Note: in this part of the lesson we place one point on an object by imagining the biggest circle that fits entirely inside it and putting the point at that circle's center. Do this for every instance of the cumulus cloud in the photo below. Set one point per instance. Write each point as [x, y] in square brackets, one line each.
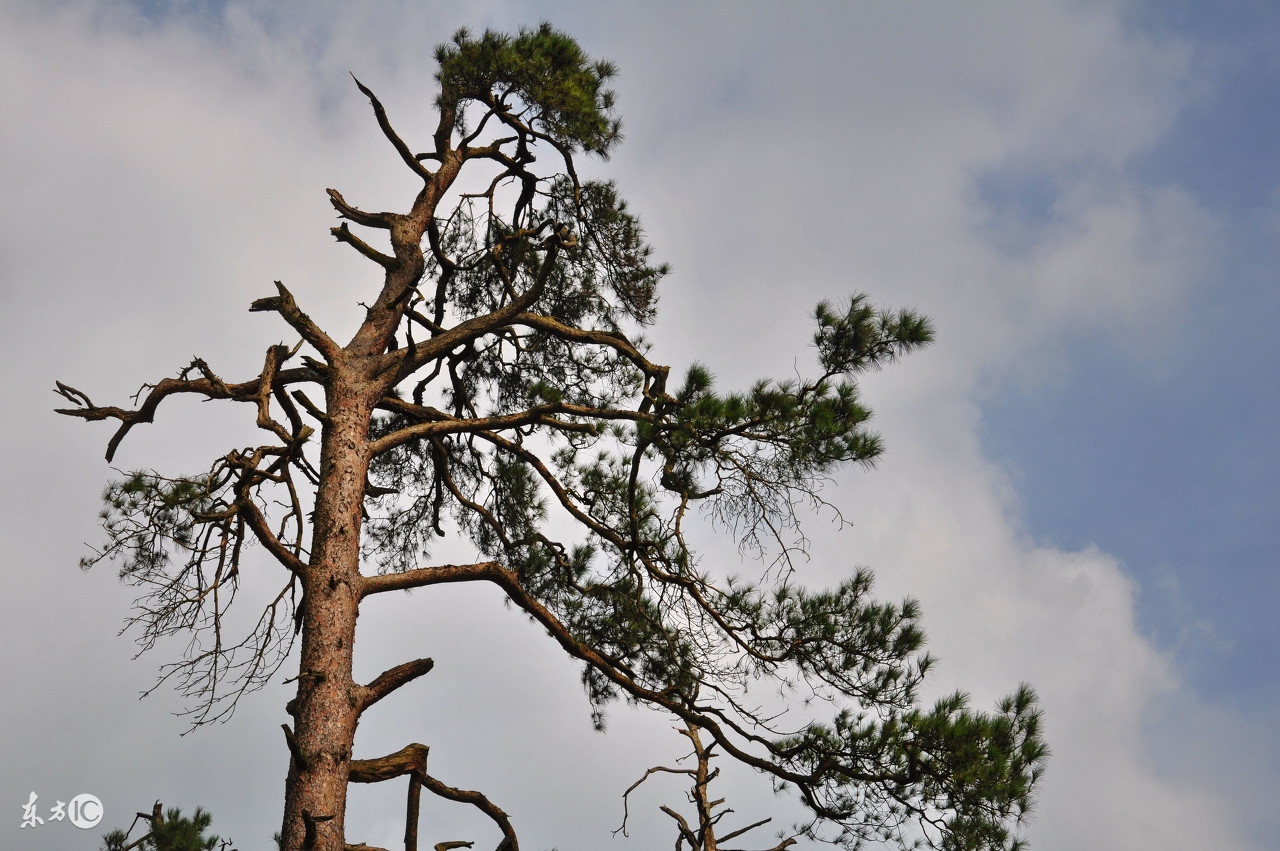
[171, 168]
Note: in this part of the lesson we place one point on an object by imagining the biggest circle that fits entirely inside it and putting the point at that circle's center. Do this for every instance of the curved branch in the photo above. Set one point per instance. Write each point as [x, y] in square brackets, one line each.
[626, 796]
[510, 584]
[266, 387]
[211, 387]
[480, 802]
[387, 130]
[257, 524]
[612, 339]
[360, 217]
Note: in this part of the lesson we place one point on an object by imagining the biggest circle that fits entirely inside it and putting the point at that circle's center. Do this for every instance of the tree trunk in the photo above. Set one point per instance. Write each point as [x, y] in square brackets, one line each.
[327, 708]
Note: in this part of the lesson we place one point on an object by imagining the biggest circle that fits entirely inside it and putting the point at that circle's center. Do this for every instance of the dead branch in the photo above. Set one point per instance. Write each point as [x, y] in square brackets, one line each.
[392, 679]
[509, 841]
[408, 759]
[209, 385]
[387, 130]
[360, 217]
[686, 833]
[411, 760]
[285, 304]
[309, 830]
[709, 812]
[626, 796]
[540, 415]
[276, 355]
[257, 524]
[411, 812]
[298, 756]
[310, 406]
[155, 817]
[343, 233]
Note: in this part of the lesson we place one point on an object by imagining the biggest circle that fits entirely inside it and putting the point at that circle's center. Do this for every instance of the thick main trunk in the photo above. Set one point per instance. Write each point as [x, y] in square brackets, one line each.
[326, 708]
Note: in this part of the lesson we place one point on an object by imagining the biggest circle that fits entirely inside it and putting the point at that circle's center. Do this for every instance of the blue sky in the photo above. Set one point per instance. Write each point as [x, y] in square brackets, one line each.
[1185, 443]
[1080, 482]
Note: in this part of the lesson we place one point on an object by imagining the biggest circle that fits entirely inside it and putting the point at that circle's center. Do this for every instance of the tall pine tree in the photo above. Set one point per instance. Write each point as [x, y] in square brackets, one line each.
[496, 392]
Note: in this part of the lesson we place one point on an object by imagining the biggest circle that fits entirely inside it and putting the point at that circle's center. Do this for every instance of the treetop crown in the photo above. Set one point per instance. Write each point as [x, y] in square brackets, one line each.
[540, 76]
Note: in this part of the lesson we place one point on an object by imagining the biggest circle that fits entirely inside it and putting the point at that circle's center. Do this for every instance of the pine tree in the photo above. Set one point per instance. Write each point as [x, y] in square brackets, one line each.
[497, 392]
[170, 831]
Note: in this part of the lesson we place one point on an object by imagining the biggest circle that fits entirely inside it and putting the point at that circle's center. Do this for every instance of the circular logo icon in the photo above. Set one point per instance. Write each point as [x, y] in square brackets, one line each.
[85, 811]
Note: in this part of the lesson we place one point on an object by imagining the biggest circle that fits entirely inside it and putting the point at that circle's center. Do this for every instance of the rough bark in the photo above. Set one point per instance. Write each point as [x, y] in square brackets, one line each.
[327, 705]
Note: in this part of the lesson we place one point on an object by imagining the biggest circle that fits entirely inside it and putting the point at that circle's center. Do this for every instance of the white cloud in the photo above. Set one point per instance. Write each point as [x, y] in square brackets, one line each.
[1000, 610]
[169, 173]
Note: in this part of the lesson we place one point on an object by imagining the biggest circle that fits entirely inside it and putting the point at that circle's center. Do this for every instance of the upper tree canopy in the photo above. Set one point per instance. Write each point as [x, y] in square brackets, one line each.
[543, 74]
[510, 403]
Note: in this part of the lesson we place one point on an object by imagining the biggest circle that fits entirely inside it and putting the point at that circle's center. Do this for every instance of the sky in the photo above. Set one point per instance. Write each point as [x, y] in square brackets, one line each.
[1080, 475]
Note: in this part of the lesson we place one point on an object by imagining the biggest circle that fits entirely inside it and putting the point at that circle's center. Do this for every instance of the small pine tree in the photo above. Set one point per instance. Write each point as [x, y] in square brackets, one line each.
[170, 831]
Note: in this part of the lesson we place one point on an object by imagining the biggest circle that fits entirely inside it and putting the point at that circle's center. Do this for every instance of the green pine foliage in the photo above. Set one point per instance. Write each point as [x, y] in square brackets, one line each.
[175, 832]
[540, 75]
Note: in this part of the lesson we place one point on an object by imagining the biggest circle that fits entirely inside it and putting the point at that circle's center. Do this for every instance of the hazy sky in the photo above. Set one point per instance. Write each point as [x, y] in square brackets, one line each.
[1080, 477]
